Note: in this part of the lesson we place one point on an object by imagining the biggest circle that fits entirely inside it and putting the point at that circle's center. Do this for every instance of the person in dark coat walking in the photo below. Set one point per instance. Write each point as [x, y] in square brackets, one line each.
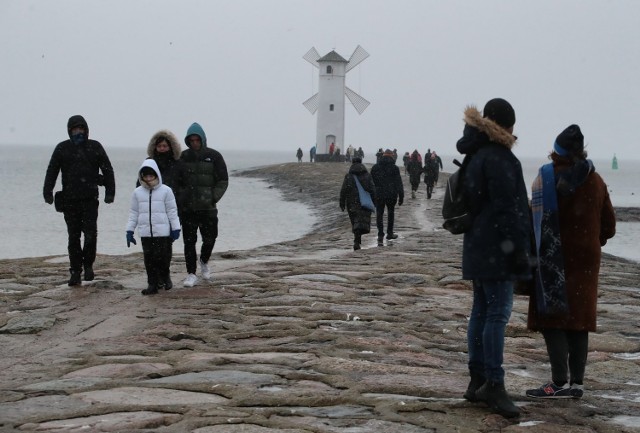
[414, 167]
[84, 165]
[389, 191]
[299, 154]
[579, 220]
[350, 200]
[206, 181]
[431, 173]
[496, 248]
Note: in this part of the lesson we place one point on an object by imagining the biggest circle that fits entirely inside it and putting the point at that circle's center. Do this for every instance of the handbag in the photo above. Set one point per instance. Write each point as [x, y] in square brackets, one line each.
[58, 201]
[365, 198]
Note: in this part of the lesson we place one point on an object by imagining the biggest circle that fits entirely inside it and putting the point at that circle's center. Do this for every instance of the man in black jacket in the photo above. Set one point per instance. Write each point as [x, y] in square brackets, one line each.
[80, 160]
[389, 191]
[206, 181]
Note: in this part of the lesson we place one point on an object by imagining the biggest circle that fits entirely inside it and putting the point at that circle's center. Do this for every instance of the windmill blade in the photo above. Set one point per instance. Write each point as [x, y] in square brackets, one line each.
[359, 103]
[359, 54]
[312, 57]
[312, 103]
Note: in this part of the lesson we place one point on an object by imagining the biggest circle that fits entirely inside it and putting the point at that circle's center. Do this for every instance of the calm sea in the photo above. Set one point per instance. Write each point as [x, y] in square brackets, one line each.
[251, 214]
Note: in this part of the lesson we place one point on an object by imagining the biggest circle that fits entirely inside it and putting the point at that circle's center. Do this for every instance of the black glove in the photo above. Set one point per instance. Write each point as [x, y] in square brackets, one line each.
[48, 198]
[108, 199]
[342, 208]
[400, 201]
[130, 239]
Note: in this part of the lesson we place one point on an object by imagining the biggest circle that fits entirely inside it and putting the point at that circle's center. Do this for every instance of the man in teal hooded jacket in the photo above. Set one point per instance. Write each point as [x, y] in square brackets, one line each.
[206, 181]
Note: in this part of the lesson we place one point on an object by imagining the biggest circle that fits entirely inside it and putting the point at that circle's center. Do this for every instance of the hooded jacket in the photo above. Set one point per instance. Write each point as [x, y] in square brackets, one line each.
[153, 209]
[387, 179]
[169, 163]
[350, 198]
[497, 245]
[80, 165]
[206, 176]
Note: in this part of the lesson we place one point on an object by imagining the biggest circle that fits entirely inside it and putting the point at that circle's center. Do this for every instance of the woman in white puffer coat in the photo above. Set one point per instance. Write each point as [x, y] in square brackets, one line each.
[155, 213]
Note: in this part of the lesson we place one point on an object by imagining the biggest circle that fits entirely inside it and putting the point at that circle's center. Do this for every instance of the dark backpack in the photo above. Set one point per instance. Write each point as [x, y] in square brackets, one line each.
[455, 207]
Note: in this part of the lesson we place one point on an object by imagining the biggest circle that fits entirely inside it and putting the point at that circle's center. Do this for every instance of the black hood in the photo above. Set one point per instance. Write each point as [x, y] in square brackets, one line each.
[75, 121]
[357, 168]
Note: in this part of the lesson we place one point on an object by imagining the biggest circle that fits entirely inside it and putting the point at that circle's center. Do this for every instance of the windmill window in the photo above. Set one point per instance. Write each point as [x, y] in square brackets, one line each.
[330, 107]
[329, 70]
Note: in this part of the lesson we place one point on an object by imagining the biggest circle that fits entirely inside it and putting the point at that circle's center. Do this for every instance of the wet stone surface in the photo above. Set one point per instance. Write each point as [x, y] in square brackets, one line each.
[305, 336]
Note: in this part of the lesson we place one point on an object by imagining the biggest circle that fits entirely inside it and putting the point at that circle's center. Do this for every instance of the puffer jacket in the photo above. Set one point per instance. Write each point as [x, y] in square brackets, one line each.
[497, 245]
[153, 209]
[206, 176]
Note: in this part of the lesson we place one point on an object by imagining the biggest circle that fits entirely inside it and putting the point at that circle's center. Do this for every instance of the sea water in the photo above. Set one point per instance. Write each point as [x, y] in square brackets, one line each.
[251, 213]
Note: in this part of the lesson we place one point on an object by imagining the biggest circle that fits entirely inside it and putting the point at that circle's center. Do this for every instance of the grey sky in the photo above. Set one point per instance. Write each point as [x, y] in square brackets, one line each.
[132, 67]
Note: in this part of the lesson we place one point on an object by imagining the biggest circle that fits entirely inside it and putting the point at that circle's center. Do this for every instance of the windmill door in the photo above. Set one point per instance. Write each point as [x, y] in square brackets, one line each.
[330, 139]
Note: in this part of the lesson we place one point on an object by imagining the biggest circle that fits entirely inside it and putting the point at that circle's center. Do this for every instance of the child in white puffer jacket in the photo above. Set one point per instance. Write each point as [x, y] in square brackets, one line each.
[155, 213]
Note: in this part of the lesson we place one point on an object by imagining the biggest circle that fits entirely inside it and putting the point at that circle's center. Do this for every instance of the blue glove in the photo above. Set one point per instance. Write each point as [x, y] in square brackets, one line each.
[130, 239]
[175, 234]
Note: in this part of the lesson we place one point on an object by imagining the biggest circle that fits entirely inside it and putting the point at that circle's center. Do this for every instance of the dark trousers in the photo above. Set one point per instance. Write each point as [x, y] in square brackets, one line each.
[82, 219]
[390, 205]
[157, 259]
[207, 222]
[567, 354]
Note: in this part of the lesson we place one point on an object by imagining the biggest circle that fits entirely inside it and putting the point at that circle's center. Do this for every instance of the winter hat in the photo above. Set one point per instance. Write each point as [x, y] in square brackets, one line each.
[501, 112]
[570, 141]
[388, 152]
[356, 160]
[147, 170]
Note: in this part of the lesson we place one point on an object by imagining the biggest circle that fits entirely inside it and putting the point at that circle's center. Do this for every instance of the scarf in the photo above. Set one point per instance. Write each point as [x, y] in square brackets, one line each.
[551, 292]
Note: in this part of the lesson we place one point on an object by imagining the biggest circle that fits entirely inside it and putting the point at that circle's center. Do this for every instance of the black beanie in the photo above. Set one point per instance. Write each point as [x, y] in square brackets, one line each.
[571, 139]
[501, 112]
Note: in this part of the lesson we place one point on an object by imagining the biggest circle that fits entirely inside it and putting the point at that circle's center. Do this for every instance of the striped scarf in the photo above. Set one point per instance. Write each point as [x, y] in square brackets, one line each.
[551, 293]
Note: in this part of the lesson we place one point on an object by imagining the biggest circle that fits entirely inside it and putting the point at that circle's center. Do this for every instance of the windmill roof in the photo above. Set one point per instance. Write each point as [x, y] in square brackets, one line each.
[332, 57]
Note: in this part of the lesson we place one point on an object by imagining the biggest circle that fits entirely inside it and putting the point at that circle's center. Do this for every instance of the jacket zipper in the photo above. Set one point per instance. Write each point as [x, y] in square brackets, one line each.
[150, 224]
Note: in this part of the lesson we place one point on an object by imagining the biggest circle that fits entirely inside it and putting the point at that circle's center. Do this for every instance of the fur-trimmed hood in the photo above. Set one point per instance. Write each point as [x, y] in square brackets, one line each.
[170, 137]
[495, 132]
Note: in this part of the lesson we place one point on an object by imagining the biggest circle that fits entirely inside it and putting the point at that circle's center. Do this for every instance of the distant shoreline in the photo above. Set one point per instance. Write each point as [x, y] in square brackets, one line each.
[627, 214]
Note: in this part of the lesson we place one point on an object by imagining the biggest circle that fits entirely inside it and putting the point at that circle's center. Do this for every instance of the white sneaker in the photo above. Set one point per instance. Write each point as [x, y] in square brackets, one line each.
[204, 270]
[190, 281]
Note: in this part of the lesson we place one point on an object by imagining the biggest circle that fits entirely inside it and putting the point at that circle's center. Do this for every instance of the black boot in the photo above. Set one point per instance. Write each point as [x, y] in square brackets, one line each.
[151, 290]
[496, 397]
[89, 275]
[477, 380]
[75, 279]
[168, 284]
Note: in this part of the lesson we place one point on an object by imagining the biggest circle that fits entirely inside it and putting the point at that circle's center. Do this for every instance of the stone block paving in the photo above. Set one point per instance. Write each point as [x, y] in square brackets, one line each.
[306, 336]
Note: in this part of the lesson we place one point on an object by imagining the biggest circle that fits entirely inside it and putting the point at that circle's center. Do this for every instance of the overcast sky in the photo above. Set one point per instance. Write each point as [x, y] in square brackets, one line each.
[132, 67]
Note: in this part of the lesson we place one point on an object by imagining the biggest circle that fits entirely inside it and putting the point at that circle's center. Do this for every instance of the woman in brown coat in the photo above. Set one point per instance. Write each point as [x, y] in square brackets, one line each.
[563, 305]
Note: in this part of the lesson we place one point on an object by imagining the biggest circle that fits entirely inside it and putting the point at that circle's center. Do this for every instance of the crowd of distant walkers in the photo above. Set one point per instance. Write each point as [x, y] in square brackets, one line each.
[547, 248]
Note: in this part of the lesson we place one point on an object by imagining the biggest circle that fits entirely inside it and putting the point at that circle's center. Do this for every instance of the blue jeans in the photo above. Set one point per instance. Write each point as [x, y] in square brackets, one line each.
[492, 303]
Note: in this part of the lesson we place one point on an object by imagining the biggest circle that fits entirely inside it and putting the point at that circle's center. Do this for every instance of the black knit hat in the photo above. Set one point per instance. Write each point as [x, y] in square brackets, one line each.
[501, 112]
[570, 140]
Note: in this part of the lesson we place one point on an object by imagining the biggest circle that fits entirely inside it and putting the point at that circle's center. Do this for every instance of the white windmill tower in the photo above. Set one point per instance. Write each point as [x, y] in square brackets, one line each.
[329, 101]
